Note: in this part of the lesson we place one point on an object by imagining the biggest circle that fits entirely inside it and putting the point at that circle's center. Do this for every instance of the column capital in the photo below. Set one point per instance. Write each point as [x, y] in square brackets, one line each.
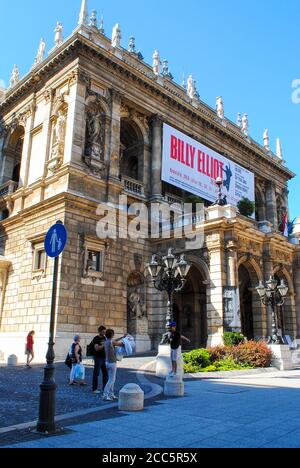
[157, 120]
[116, 96]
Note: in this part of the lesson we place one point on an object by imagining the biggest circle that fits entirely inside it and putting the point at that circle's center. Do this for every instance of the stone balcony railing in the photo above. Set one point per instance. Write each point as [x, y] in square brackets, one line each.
[133, 186]
[172, 199]
[8, 188]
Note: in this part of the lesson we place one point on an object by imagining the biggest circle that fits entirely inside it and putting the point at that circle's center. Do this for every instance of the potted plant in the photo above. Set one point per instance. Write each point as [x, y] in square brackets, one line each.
[246, 207]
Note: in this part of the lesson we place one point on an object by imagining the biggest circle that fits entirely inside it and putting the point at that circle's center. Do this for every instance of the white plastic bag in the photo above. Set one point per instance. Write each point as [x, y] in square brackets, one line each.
[79, 372]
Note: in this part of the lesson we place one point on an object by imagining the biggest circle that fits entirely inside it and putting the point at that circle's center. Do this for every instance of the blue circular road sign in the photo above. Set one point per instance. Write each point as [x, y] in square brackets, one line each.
[56, 240]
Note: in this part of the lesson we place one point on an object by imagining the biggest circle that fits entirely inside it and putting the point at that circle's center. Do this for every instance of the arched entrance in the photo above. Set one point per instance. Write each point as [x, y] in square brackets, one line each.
[246, 303]
[190, 310]
[253, 314]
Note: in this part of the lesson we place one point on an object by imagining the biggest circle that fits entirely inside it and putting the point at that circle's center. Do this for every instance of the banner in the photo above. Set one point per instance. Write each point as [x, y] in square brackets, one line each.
[191, 166]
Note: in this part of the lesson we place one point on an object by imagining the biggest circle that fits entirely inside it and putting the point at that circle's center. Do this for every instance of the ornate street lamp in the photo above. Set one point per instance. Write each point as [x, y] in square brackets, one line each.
[222, 201]
[273, 295]
[169, 273]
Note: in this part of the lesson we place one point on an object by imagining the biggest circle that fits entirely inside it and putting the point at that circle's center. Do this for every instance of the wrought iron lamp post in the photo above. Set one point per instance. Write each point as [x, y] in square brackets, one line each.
[273, 295]
[169, 274]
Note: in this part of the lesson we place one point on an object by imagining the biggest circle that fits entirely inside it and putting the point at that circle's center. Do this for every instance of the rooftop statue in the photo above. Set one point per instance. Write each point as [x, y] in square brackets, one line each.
[165, 70]
[245, 124]
[239, 120]
[116, 36]
[220, 108]
[58, 39]
[93, 19]
[191, 88]
[156, 62]
[41, 52]
[15, 77]
[266, 139]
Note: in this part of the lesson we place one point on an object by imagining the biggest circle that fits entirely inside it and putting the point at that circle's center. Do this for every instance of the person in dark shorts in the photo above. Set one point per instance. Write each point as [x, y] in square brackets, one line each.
[175, 340]
[99, 360]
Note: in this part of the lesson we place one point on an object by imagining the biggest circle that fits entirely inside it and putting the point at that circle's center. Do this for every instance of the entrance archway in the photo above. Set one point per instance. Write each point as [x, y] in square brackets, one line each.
[190, 311]
[253, 314]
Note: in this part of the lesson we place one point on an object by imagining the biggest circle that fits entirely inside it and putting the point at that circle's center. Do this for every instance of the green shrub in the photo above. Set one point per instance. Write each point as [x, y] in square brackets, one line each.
[217, 353]
[198, 357]
[247, 355]
[233, 339]
[209, 369]
[254, 354]
[190, 368]
[230, 364]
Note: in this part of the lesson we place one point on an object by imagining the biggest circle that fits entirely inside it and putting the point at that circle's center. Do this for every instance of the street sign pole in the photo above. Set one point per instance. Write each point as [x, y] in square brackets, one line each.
[46, 422]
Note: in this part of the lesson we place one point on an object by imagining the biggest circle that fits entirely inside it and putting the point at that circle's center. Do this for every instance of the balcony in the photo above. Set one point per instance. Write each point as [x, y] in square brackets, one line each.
[133, 187]
[8, 188]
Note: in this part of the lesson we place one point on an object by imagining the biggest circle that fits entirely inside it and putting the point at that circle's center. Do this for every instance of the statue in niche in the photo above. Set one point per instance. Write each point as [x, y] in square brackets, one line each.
[136, 306]
[59, 128]
[58, 141]
[94, 137]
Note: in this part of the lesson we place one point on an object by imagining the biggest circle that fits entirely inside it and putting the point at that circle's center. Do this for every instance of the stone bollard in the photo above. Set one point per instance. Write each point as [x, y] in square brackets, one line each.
[12, 360]
[174, 386]
[163, 362]
[131, 398]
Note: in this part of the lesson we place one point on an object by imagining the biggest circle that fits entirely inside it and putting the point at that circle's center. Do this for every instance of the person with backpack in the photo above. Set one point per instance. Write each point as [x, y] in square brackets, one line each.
[76, 356]
[97, 351]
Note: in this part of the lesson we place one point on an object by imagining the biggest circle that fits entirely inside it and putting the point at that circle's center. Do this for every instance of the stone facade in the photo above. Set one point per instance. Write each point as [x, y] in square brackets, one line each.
[84, 128]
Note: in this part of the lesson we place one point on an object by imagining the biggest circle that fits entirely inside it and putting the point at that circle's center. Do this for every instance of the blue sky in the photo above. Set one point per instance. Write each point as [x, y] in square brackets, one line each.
[247, 52]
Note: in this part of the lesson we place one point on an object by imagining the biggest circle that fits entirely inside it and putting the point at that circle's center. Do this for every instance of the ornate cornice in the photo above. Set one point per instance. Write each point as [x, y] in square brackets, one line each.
[139, 72]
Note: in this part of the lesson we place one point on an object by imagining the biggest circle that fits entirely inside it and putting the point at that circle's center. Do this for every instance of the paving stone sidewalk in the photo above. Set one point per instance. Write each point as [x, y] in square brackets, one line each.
[249, 411]
[20, 390]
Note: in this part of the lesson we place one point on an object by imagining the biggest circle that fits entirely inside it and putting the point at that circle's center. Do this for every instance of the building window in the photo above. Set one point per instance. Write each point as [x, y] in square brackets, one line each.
[94, 261]
[94, 257]
[39, 264]
[40, 260]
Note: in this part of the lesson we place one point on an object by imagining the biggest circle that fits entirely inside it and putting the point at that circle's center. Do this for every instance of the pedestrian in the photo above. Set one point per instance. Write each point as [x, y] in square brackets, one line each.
[99, 360]
[76, 356]
[175, 340]
[111, 365]
[29, 348]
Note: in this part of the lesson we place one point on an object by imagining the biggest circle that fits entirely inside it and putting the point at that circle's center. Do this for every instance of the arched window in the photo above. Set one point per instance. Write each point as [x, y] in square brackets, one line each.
[13, 156]
[132, 149]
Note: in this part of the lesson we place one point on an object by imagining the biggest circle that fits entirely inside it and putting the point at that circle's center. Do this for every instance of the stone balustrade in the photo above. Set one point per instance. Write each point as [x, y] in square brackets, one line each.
[8, 188]
[133, 186]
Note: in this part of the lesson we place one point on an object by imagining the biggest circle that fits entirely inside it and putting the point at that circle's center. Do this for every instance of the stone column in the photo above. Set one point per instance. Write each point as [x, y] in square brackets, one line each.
[75, 127]
[156, 182]
[215, 291]
[26, 153]
[115, 136]
[147, 169]
[48, 95]
[296, 275]
[271, 208]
